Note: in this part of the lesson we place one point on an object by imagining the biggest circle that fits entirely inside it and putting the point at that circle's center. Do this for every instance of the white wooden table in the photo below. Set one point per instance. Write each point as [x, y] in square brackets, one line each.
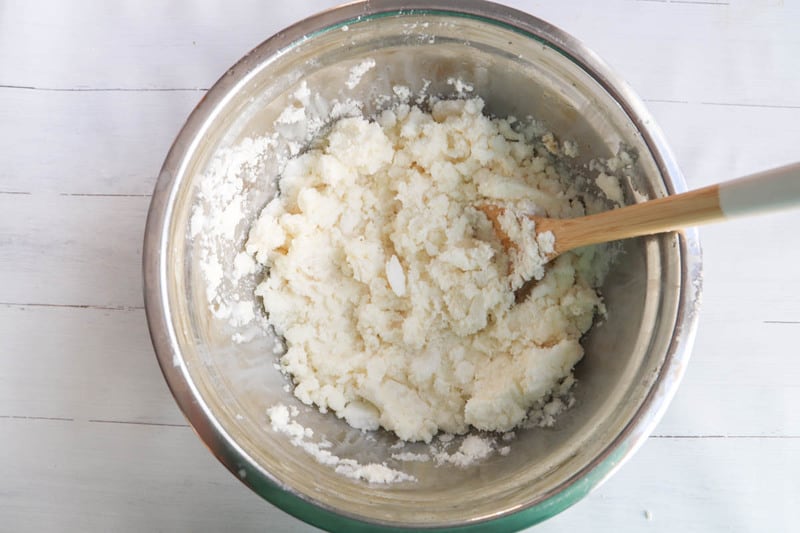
[91, 95]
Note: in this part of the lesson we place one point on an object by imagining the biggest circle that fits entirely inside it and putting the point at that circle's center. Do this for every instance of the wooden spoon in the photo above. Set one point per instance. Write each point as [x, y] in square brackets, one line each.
[770, 190]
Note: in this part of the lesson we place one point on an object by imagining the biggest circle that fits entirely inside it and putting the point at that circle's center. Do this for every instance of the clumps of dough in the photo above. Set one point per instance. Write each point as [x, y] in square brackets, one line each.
[392, 292]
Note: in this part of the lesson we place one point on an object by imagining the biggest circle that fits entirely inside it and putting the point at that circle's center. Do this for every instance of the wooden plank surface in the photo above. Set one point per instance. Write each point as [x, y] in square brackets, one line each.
[91, 95]
[90, 143]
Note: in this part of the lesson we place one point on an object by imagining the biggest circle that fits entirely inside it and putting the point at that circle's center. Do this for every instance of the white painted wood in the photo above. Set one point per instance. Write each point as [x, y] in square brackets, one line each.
[108, 142]
[694, 486]
[93, 44]
[97, 363]
[90, 476]
[91, 94]
[715, 143]
[71, 250]
[721, 51]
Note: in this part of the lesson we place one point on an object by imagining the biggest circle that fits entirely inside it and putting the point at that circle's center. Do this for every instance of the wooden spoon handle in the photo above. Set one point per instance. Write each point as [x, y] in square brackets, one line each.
[769, 190]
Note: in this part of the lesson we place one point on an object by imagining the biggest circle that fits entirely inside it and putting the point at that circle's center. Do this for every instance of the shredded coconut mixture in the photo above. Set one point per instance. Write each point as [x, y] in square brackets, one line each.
[393, 294]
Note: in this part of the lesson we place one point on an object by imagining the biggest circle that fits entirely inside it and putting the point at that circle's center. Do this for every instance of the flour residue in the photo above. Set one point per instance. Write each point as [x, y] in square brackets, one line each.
[282, 420]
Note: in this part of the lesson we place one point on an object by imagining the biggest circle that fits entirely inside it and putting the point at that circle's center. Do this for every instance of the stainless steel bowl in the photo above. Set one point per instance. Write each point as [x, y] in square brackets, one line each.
[520, 65]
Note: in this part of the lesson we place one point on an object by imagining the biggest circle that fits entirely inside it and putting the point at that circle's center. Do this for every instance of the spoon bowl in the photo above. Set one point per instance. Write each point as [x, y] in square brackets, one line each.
[771, 190]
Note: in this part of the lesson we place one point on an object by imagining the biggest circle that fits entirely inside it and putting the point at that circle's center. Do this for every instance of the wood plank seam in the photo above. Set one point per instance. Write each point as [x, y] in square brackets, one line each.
[91, 421]
[104, 89]
[75, 306]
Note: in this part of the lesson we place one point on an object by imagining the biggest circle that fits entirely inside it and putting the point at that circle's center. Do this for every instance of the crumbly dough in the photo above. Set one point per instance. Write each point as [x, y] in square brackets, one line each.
[393, 294]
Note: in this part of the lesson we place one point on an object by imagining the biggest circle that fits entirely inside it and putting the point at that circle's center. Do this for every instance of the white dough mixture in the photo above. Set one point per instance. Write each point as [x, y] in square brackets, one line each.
[393, 294]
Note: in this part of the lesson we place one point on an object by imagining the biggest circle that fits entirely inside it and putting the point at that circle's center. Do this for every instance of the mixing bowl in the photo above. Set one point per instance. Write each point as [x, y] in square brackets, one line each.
[521, 66]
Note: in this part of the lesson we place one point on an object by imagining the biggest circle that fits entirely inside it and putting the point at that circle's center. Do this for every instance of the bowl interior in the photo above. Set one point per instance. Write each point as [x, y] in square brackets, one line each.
[232, 385]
